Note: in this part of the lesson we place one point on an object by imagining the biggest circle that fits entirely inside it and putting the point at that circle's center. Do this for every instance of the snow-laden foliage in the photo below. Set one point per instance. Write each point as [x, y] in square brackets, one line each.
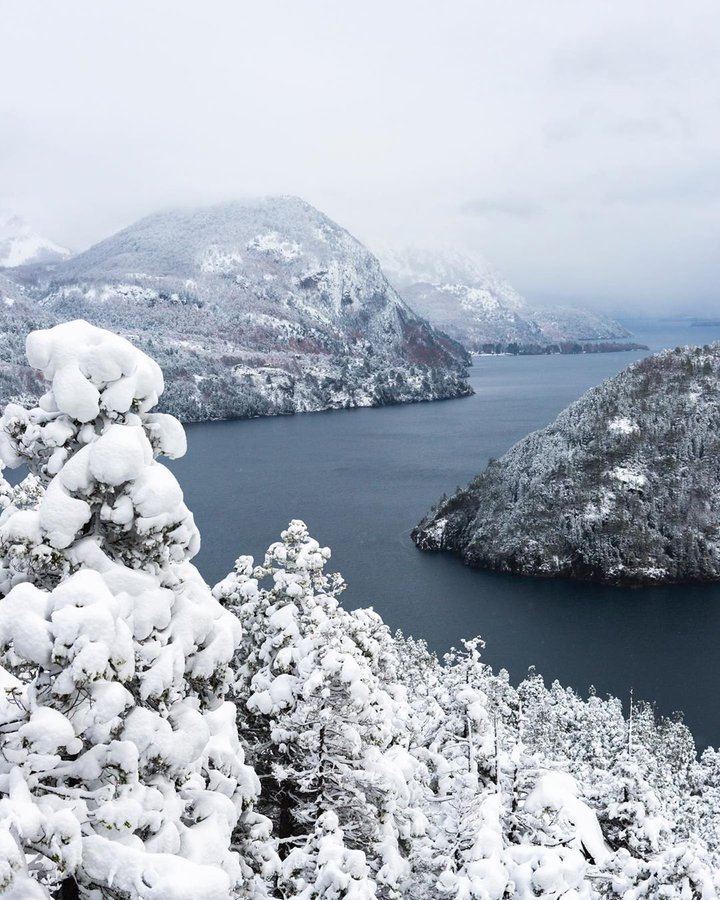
[91, 443]
[316, 691]
[620, 488]
[475, 788]
[121, 766]
[535, 792]
[252, 308]
[159, 741]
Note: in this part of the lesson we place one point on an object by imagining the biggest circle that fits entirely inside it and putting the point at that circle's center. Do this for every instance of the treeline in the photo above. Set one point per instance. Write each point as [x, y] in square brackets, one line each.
[562, 347]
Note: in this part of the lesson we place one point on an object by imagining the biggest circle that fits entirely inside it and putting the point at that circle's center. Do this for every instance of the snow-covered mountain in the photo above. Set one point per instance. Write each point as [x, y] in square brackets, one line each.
[256, 308]
[20, 244]
[473, 304]
[621, 488]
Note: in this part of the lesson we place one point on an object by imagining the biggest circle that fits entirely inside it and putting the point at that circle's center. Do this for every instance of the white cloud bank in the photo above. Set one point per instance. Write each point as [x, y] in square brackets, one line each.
[575, 144]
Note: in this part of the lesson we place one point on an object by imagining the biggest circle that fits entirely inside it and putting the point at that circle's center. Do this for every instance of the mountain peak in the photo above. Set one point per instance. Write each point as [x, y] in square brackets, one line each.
[21, 244]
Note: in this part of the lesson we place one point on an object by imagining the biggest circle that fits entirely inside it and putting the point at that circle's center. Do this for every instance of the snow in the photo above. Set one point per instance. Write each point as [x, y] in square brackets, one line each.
[23, 623]
[48, 731]
[539, 872]
[166, 435]
[630, 476]
[15, 883]
[272, 243]
[12, 697]
[597, 510]
[434, 535]
[61, 517]
[90, 368]
[558, 791]
[151, 876]
[216, 259]
[474, 298]
[622, 425]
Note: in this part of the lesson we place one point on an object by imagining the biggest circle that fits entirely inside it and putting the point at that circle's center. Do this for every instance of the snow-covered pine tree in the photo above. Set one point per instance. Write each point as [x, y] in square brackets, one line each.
[683, 871]
[121, 775]
[463, 758]
[325, 869]
[634, 816]
[702, 805]
[324, 725]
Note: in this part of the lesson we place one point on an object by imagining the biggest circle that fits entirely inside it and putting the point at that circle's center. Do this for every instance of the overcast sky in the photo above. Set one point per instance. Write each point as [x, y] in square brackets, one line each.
[576, 145]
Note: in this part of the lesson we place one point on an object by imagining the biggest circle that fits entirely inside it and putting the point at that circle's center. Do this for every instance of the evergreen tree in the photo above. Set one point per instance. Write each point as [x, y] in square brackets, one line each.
[121, 773]
[322, 727]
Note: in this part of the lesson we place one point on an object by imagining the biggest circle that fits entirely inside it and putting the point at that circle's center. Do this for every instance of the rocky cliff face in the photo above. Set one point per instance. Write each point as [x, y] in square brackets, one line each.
[622, 488]
[474, 305]
[255, 308]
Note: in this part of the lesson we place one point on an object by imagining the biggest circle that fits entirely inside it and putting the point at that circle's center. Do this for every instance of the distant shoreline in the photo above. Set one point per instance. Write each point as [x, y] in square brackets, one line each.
[561, 348]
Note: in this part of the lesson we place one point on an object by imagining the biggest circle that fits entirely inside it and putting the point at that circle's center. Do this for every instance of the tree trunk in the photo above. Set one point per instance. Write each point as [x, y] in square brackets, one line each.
[69, 890]
[285, 820]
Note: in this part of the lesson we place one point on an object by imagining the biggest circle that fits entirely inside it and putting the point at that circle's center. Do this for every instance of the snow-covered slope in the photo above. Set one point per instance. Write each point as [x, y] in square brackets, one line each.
[621, 488]
[256, 308]
[474, 305]
[20, 244]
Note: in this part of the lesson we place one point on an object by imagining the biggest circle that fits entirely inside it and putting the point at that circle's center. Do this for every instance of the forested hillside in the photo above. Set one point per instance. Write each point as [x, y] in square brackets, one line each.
[621, 488]
[254, 308]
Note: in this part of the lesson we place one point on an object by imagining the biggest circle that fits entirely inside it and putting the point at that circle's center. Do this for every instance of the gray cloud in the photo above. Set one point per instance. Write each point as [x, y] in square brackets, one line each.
[572, 144]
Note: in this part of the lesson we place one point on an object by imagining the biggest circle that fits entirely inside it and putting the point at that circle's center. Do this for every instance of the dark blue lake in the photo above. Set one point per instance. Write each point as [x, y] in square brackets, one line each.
[362, 479]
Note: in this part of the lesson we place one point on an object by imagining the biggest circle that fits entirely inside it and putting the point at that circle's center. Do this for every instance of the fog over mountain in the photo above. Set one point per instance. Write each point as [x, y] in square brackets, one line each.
[576, 145]
[469, 301]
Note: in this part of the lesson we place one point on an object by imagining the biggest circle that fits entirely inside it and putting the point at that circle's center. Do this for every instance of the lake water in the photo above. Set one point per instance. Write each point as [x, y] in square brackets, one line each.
[361, 479]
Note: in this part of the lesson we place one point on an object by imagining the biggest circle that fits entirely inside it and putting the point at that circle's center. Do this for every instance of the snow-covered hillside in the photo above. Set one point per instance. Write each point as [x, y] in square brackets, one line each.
[20, 244]
[256, 308]
[621, 488]
[472, 303]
